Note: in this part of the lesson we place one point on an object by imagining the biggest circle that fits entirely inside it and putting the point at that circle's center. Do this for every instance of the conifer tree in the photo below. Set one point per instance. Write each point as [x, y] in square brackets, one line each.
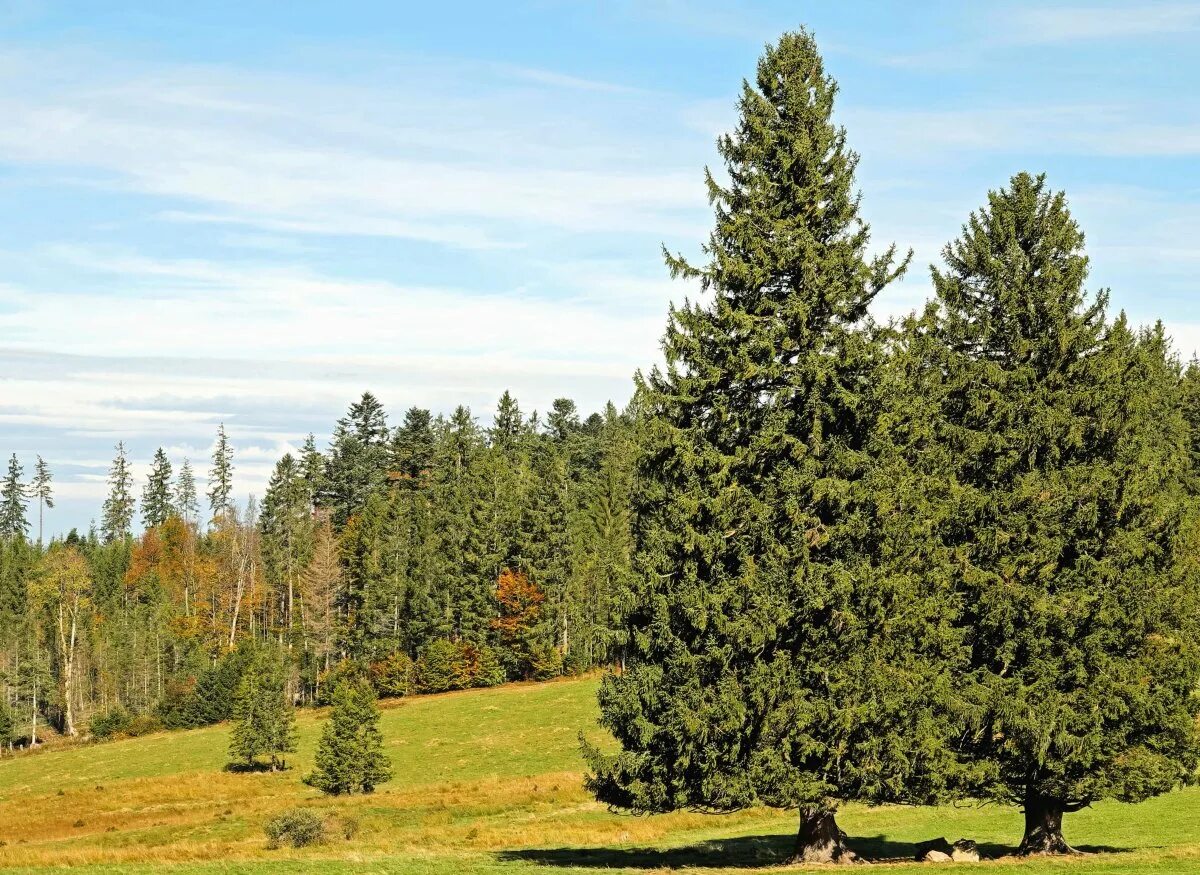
[13, 521]
[1073, 533]
[117, 515]
[350, 757]
[287, 527]
[187, 504]
[1189, 390]
[157, 505]
[358, 459]
[312, 468]
[7, 725]
[220, 476]
[770, 659]
[41, 490]
[264, 721]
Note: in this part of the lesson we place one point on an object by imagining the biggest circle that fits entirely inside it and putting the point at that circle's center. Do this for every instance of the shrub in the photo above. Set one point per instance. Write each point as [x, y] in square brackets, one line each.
[110, 725]
[394, 675]
[444, 665]
[297, 827]
[143, 724]
[327, 681]
[545, 662]
[349, 827]
[489, 671]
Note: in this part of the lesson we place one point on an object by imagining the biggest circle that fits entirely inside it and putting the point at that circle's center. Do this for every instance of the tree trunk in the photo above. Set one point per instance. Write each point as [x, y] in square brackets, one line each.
[819, 839]
[1043, 828]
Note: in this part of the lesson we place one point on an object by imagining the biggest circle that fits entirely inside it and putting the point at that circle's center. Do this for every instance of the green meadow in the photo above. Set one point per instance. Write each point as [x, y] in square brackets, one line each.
[486, 781]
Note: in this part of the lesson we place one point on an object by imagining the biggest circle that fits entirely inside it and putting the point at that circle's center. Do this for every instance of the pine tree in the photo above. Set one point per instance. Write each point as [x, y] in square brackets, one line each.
[187, 504]
[13, 520]
[157, 505]
[771, 660]
[312, 468]
[1189, 390]
[117, 515]
[507, 425]
[350, 757]
[264, 720]
[220, 476]
[41, 490]
[1074, 527]
[286, 525]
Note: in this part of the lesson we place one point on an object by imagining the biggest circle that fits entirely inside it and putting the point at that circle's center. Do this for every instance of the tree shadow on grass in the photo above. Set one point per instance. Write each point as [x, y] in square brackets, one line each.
[734, 853]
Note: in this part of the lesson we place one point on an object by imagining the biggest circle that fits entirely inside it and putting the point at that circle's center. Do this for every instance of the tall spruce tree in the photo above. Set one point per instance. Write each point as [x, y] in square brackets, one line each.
[358, 459]
[770, 659]
[220, 476]
[1074, 532]
[187, 504]
[41, 489]
[117, 513]
[14, 522]
[412, 448]
[350, 757]
[157, 504]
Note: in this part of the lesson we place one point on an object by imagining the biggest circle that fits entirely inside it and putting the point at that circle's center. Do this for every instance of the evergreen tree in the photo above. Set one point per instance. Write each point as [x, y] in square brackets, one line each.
[157, 505]
[1189, 390]
[1073, 531]
[507, 425]
[7, 725]
[312, 468]
[117, 515]
[770, 659]
[264, 720]
[350, 757]
[13, 520]
[187, 504]
[287, 530]
[220, 476]
[358, 460]
[41, 490]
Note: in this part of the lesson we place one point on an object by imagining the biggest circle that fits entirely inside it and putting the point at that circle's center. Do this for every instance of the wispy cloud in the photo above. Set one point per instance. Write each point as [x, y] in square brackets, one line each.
[1060, 24]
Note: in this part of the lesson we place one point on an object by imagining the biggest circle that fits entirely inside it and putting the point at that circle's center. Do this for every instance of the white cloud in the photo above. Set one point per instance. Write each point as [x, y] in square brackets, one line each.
[1051, 24]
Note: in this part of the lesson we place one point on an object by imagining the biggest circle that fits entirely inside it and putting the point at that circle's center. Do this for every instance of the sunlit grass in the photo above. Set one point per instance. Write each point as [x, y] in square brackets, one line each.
[487, 781]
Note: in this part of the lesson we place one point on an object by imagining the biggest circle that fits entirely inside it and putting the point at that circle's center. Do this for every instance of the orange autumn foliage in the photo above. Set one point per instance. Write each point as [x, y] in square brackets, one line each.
[520, 601]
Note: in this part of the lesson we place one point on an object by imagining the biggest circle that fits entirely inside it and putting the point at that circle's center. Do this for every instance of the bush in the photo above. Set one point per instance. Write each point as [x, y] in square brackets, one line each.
[489, 671]
[143, 724]
[298, 827]
[545, 662]
[394, 675]
[349, 827]
[110, 725]
[444, 665]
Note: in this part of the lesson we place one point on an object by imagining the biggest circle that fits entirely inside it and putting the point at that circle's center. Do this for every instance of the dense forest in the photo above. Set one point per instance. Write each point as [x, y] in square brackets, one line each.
[442, 553]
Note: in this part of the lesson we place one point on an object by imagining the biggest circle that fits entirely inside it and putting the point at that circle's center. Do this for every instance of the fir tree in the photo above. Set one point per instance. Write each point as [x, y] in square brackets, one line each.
[157, 505]
[312, 469]
[507, 424]
[220, 476]
[13, 520]
[41, 490]
[1073, 527]
[187, 504]
[264, 721]
[350, 757]
[771, 660]
[117, 515]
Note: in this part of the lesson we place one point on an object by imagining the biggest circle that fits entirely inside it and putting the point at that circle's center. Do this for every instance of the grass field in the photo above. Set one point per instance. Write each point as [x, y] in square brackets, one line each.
[486, 781]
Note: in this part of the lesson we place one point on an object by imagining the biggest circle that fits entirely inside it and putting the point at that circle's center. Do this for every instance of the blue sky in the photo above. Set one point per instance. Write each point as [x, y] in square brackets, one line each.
[250, 212]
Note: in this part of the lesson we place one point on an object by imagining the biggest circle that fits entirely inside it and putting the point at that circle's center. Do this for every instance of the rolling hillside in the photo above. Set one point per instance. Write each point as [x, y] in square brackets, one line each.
[486, 781]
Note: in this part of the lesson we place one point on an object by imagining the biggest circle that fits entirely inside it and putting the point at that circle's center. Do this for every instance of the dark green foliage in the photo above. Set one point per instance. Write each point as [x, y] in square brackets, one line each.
[187, 505]
[1074, 534]
[297, 827]
[350, 757]
[13, 520]
[358, 460]
[770, 651]
[7, 725]
[211, 699]
[110, 724]
[412, 449]
[264, 720]
[157, 501]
